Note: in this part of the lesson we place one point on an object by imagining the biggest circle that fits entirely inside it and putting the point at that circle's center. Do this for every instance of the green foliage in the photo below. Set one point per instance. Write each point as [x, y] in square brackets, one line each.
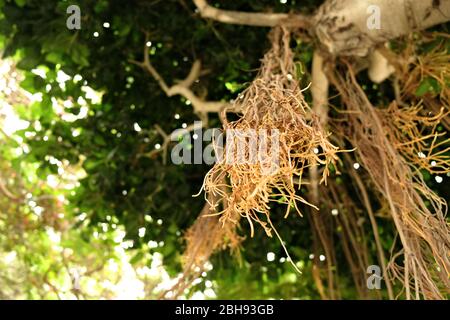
[96, 135]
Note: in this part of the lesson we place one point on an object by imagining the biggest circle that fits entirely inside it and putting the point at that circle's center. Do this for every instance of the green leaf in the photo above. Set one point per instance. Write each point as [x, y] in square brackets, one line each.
[28, 63]
[90, 164]
[99, 140]
[137, 257]
[428, 85]
[80, 54]
[53, 57]
[20, 3]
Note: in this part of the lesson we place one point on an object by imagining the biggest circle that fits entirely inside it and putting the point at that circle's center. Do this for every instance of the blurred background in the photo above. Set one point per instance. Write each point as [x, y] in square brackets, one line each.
[90, 208]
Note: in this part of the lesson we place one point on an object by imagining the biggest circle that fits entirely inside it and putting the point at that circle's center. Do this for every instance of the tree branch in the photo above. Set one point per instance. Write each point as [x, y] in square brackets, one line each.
[354, 27]
[379, 67]
[163, 148]
[343, 27]
[182, 88]
[319, 89]
[250, 18]
[319, 92]
[9, 194]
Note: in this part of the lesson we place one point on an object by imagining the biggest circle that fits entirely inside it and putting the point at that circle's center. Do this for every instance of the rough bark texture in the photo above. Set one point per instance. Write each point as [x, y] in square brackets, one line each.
[255, 19]
[341, 25]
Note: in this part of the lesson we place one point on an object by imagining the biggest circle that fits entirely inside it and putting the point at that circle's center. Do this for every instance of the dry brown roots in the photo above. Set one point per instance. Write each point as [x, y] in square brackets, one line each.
[272, 104]
[393, 149]
[413, 68]
[203, 238]
[392, 144]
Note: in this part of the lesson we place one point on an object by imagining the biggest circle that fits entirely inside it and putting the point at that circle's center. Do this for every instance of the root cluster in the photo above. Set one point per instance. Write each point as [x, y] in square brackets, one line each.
[393, 150]
[274, 106]
[394, 146]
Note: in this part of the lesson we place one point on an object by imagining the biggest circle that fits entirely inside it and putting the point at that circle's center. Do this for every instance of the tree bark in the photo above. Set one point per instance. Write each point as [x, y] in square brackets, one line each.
[341, 26]
[344, 27]
[256, 19]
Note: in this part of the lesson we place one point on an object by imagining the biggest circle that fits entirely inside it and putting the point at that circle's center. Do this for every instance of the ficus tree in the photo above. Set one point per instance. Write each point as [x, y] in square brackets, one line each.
[358, 90]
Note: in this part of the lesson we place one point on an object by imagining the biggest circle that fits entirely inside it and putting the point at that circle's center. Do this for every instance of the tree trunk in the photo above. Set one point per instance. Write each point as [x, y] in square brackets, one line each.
[353, 27]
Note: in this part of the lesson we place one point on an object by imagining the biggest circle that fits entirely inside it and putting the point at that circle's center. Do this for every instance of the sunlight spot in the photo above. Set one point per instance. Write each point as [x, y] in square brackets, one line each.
[152, 244]
[77, 78]
[40, 72]
[38, 210]
[208, 266]
[52, 181]
[10, 257]
[137, 128]
[62, 77]
[119, 236]
[68, 104]
[91, 94]
[82, 216]
[53, 235]
[76, 132]
[81, 101]
[209, 293]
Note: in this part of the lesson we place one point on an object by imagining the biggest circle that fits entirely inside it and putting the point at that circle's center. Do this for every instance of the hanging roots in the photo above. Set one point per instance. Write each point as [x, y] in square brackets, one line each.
[433, 65]
[205, 237]
[393, 144]
[416, 70]
[275, 110]
[393, 149]
[275, 114]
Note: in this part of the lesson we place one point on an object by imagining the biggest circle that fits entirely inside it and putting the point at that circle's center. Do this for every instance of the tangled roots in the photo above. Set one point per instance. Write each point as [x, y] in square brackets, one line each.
[276, 114]
[207, 236]
[275, 124]
[278, 138]
[393, 150]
